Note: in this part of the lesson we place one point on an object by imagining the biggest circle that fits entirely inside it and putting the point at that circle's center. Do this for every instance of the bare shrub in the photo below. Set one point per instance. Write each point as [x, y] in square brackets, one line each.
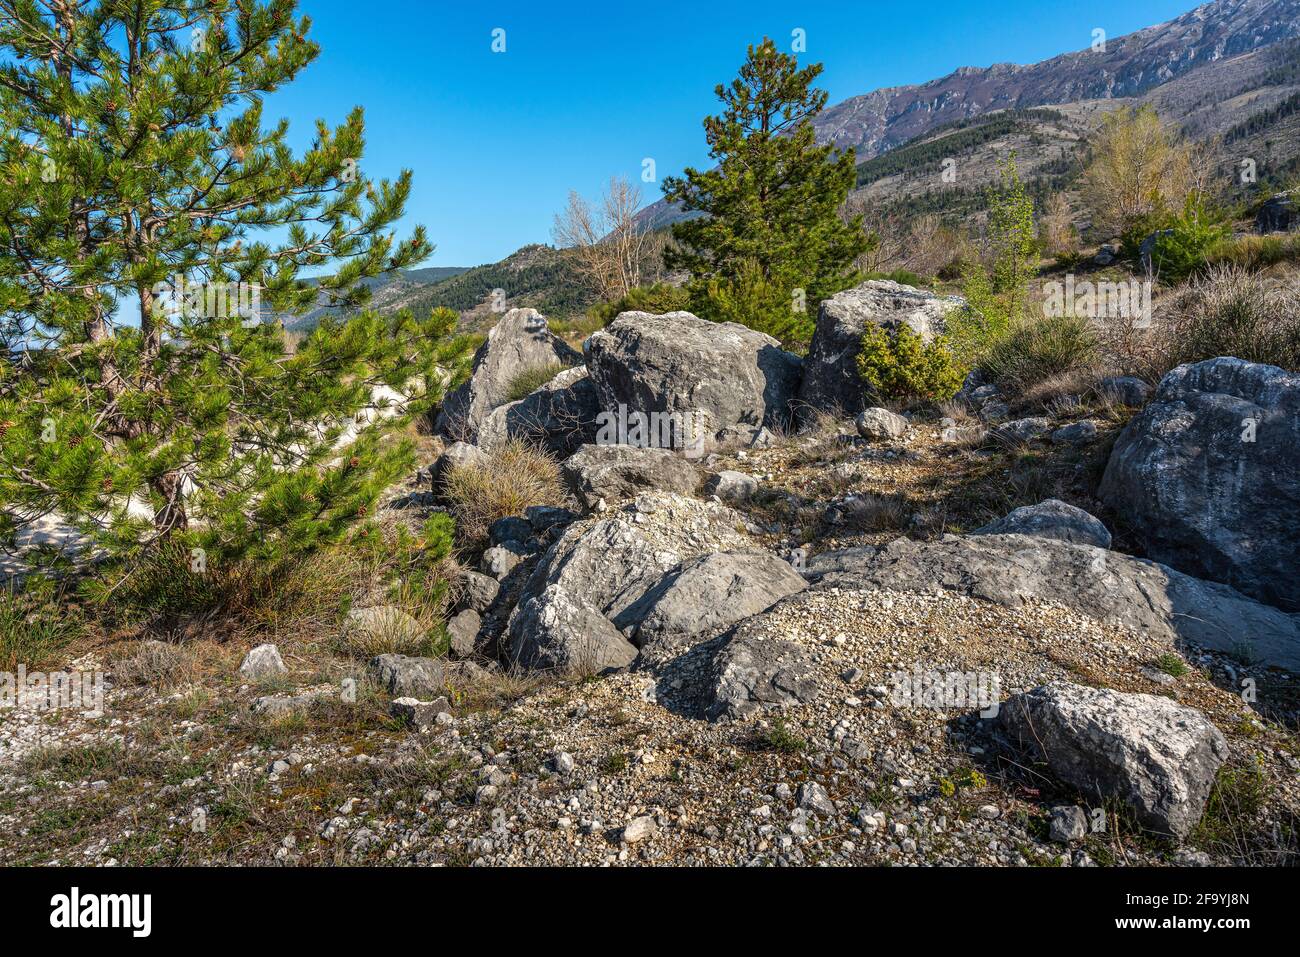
[1056, 225]
[1231, 312]
[1228, 311]
[154, 664]
[609, 243]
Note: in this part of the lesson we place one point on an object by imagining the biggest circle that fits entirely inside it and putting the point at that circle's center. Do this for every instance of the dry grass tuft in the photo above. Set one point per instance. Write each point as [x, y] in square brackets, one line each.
[869, 512]
[516, 476]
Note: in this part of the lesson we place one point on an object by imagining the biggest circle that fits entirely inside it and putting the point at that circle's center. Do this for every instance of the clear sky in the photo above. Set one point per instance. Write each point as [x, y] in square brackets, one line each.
[584, 91]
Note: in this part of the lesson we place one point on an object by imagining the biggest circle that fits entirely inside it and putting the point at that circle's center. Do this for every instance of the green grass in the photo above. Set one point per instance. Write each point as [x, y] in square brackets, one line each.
[1230, 824]
[1172, 665]
[615, 763]
[33, 629]
[528, 381]
[779, 738]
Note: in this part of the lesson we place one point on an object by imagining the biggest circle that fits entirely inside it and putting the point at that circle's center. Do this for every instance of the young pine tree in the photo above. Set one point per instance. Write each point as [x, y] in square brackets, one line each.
[998, 294]
[772, 230]
[137, 179]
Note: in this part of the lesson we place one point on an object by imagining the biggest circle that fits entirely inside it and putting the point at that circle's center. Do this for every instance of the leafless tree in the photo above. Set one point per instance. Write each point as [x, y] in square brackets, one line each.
[610, 245]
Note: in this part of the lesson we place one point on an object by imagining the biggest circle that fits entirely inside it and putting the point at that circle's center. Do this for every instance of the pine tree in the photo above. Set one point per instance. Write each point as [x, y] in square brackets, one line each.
[136, 176]
[773, 226]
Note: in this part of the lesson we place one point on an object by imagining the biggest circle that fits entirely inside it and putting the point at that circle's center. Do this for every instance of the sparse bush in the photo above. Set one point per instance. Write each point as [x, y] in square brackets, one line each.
[868, 512]
[1059, 236]
[1254, 252]
[154, 664]
[899, 365]
[1039, 349]
[528, 381]
[656, 299]
[1172, 665]
[1227, 312]
[516, 476]
[778, 738]
[1231, 824]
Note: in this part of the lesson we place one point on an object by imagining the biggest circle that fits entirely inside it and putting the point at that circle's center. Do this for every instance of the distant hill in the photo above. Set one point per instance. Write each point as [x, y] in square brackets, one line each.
[388, 293]
[537, 275]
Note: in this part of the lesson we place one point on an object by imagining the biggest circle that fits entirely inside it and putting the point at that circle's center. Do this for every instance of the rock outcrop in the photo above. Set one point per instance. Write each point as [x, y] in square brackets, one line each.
[711, 593]
[1106, 586]
[413, 677]
[560, 416]
[1277, 215]
[573, 610]
[521, 340]
[720, 383]
[831, 382]
[1209, 476]
[753, 673]
[614, 472]
[1155, 755]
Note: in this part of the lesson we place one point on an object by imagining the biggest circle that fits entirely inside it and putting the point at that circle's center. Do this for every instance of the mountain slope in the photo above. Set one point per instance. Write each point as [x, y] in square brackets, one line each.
[1131, 65]
[1206, 70]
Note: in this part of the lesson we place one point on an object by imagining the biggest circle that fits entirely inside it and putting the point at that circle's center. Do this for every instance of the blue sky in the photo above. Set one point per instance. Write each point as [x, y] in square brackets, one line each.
[584, 91]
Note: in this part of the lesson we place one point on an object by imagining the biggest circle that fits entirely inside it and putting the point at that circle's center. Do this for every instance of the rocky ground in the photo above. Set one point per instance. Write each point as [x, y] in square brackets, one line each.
[627, 768]
[870, 639]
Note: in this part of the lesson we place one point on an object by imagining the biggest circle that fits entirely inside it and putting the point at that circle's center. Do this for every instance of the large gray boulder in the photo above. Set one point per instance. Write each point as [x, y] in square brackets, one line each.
[1277, 215]
[1155, 755]
[521, 340]
[720, 381]
[831, 382]
[1106, 586]
[614, 472]
[713, 592]
[572, 610]
[560, 416]
[1051, 518]
[1208, 475]
[561, 630]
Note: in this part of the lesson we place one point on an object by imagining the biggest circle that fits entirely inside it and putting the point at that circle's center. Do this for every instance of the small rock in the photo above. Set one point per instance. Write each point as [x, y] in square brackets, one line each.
[813, 797]
[263, 662]
[639, 828]
[1068, 824]
[877, 423]
[463, 630]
